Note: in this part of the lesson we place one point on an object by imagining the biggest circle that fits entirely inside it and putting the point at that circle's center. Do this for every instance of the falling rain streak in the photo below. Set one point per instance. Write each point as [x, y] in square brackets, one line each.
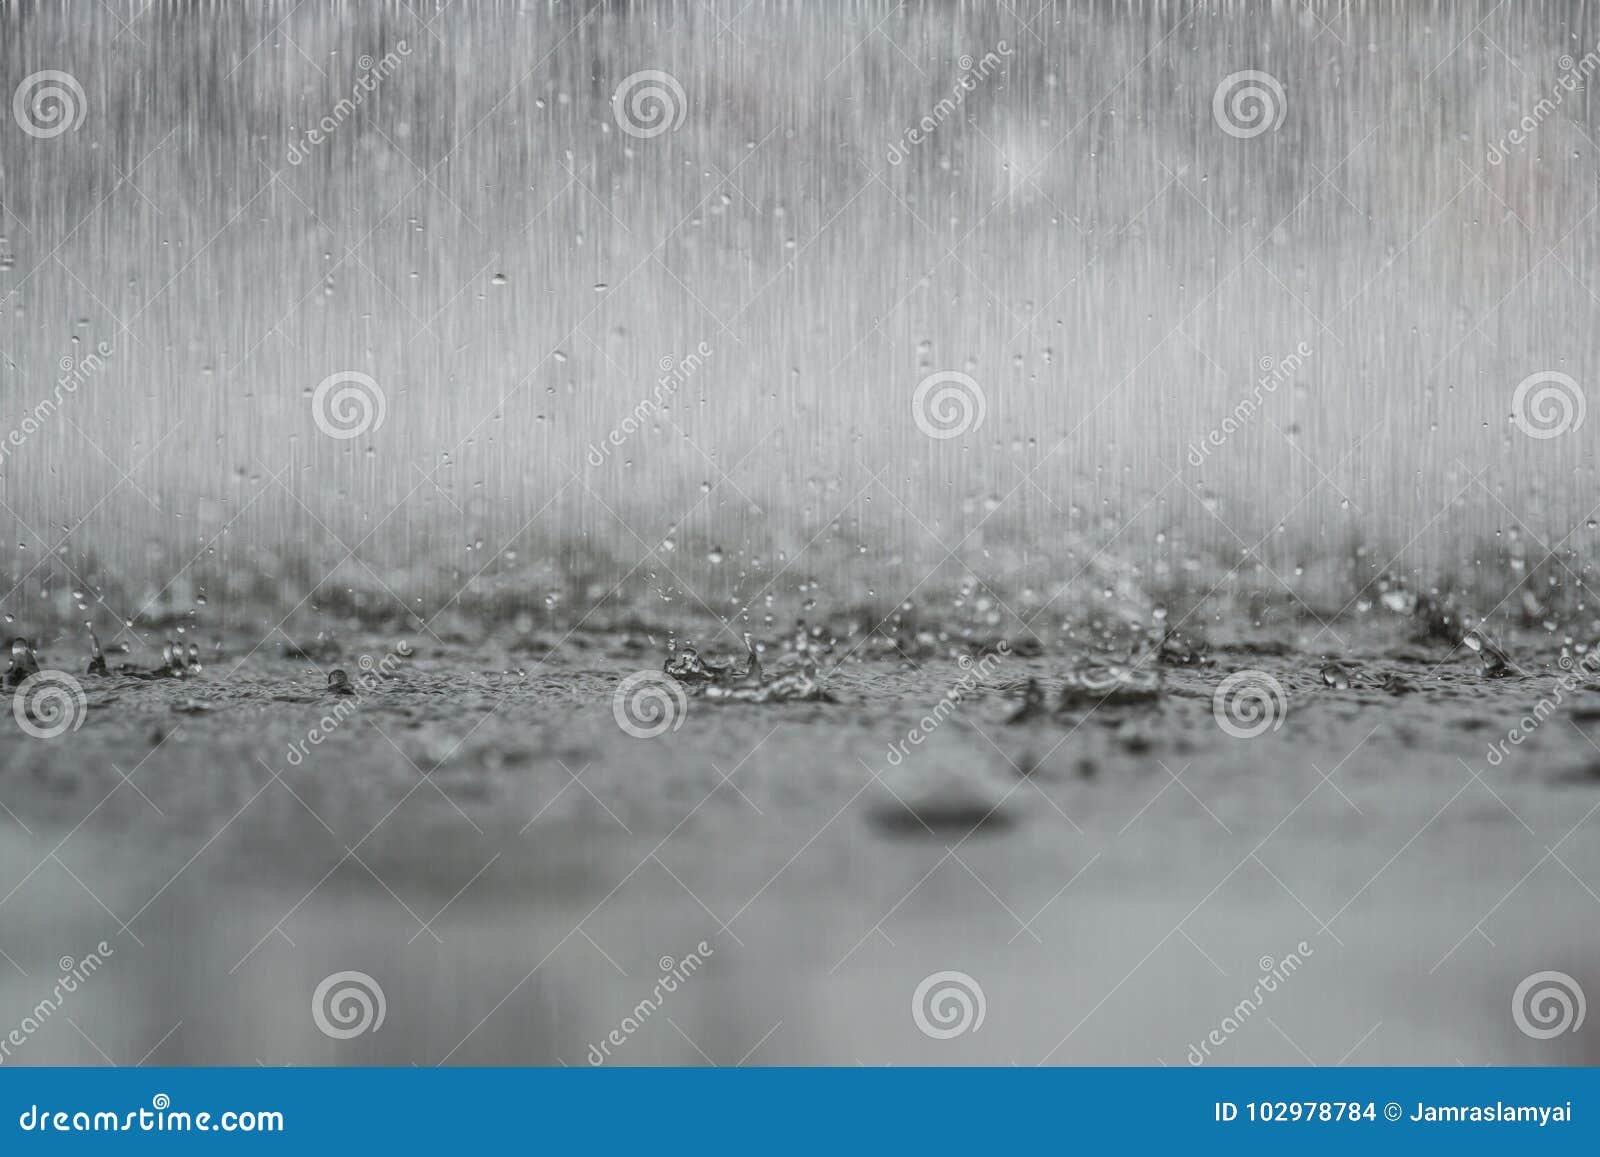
[354, 308]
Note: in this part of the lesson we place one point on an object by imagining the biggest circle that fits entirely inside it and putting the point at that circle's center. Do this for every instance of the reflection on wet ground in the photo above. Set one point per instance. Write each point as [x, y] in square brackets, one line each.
[1110, 845]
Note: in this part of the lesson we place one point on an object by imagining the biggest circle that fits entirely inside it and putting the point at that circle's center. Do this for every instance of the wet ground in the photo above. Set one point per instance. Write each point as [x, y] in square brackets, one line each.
[477, 833]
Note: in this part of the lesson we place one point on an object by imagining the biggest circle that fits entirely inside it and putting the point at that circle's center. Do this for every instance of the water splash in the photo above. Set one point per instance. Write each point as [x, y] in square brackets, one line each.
[24, 662]
[1090, 683]
[1496, 663]
[727, 684]
[97, 658]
